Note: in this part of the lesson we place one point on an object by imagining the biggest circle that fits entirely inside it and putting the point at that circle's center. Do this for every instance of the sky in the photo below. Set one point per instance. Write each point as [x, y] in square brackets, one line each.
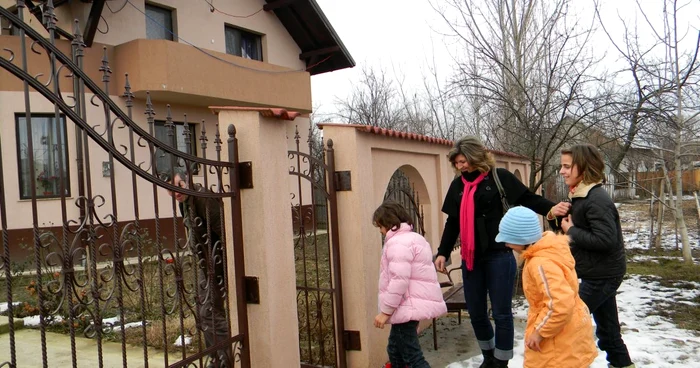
[402, 36]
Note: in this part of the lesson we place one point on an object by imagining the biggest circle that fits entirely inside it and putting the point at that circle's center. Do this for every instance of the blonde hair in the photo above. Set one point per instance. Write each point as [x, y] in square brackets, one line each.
[474, 151]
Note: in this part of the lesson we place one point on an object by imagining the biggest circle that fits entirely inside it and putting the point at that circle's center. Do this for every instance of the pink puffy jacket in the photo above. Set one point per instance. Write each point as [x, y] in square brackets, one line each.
[408, 284]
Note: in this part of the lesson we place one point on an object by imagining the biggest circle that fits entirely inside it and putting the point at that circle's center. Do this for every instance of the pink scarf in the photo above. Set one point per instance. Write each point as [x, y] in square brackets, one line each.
[466, 220]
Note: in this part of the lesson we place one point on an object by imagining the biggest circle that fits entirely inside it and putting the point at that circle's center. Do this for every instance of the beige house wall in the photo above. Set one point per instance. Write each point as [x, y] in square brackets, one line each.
[372, 159]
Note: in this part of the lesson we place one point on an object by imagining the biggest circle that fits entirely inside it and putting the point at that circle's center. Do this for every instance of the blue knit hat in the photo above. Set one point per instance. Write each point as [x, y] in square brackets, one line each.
[519, 226]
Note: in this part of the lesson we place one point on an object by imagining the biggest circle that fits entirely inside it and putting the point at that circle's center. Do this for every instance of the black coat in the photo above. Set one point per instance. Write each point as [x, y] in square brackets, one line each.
[596, 237]
[488, 209]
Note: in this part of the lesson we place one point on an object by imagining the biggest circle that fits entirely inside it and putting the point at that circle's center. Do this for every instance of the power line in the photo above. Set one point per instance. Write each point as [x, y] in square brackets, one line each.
[223, 60]
[213, 9]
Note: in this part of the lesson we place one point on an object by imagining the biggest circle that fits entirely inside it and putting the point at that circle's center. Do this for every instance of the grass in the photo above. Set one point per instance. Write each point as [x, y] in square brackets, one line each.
[674, 274]
[666, 265]
[314, 304]
[25, 290]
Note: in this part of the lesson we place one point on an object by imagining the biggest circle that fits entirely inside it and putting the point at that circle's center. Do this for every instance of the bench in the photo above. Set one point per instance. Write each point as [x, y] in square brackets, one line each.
[454, 299]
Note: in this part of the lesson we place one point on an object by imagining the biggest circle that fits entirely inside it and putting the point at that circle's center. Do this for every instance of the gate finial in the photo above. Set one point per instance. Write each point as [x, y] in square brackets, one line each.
[150, 113]
[217, 142]
[127, 92]
[187, 135]
[105, 69]
[77, 42]
[49, 16]
[203, 138]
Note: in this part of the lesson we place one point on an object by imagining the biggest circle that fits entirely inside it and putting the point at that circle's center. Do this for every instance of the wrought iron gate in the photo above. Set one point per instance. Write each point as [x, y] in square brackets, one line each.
[113, 259]
[400, 189]
[316, 254]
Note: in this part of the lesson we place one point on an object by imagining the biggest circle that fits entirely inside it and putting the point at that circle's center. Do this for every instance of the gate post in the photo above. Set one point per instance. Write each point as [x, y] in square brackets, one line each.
[360, 250]
[267, 237]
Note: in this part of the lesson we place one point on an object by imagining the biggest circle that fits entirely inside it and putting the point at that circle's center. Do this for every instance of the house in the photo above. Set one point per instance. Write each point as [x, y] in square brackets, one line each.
[189, 55]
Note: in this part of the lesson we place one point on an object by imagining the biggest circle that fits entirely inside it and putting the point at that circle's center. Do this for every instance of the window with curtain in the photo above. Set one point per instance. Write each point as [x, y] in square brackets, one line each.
[163, 159]
[49, 153]
[244, 44]
[159, 23]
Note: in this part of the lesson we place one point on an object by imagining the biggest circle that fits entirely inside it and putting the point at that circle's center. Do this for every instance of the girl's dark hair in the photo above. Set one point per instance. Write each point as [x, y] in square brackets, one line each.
[390, 215]
[589, 162]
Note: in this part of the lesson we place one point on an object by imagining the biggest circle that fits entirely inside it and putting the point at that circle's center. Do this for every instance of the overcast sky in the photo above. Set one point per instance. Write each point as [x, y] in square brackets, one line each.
[402, 36]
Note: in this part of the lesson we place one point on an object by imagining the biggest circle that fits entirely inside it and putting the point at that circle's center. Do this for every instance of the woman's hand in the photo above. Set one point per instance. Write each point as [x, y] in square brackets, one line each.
[440, 263]
[566, 224]
[533, 341]
[560, 209]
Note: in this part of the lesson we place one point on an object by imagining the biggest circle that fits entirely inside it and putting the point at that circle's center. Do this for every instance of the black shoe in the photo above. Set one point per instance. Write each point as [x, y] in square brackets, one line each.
[489, 360]
[497, 363]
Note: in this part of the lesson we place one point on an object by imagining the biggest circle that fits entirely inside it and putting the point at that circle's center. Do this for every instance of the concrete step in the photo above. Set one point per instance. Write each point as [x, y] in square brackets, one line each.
[5, 324]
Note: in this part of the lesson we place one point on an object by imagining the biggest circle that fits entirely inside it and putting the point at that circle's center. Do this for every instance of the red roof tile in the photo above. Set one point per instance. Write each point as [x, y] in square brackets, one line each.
[392, 133]
[411, 136]
[268, 112]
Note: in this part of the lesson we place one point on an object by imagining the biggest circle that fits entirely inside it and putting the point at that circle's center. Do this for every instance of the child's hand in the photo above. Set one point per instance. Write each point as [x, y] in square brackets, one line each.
[380, 320]
[566, 224]
[533, 341]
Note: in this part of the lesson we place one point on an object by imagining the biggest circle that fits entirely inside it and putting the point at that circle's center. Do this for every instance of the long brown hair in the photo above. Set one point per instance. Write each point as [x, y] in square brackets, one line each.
[588, 161]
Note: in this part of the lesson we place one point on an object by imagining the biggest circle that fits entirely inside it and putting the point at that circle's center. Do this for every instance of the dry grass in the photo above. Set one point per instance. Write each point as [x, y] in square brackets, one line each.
[154, 334]
[315, 307]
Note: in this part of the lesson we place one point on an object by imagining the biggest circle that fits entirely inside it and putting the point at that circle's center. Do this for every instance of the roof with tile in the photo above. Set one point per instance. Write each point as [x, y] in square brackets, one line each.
[411, 136]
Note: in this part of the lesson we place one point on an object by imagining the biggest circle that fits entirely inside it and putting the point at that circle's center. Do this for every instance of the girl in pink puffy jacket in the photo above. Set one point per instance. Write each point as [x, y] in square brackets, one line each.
[408, 286]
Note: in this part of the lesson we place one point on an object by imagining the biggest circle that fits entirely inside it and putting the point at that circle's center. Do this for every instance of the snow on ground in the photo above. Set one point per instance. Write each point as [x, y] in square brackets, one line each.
[653, 341]
[186, 340]
[34, 321]
[4, 307]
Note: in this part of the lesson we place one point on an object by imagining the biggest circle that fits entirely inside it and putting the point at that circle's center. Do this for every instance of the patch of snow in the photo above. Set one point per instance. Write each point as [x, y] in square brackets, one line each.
[34, 321]
[183, 340]
[4, 307]
[128, 325]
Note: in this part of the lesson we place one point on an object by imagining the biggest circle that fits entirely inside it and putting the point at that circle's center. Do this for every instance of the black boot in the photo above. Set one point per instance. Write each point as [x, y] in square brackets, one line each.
[497, 363]
[488, 359]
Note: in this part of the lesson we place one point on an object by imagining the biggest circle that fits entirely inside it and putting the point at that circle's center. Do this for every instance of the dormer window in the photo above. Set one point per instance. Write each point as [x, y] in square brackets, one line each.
[243, 43]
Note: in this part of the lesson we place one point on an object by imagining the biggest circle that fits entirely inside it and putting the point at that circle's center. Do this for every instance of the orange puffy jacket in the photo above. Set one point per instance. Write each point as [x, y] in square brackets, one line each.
[556, 311]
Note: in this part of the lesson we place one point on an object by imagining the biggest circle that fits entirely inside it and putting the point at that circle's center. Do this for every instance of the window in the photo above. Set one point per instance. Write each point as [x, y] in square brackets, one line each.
[6, 27]
[242, 43]
[159, 23]
[162, 158]
[49, 152]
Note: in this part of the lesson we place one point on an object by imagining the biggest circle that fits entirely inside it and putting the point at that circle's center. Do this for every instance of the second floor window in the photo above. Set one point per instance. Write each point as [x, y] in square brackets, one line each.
[163, 160]
[243, 43]
[159, 23]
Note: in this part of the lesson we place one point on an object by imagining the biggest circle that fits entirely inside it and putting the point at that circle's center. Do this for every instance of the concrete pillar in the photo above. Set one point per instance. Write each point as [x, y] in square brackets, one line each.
[267, 236]
[360, 247]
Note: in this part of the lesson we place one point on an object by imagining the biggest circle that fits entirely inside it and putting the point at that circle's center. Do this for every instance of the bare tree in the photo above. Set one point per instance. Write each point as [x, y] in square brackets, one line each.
[375, 101]
[661, 113]
[528, 63]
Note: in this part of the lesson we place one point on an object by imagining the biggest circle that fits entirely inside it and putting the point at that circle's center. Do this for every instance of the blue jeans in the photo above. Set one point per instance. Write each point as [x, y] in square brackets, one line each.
[599, 296]
[493, 275]
[404, 347]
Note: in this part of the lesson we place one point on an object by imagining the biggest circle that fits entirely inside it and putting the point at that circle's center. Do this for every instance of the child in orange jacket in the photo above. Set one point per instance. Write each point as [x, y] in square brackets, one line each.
[559, 330]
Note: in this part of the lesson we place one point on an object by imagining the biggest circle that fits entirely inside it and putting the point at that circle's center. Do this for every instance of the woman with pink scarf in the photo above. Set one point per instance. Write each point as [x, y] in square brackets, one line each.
[474, 210]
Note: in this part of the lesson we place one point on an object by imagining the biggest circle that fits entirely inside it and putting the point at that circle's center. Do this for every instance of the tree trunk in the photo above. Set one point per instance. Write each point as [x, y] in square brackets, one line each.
[680, 220]
[662, 208]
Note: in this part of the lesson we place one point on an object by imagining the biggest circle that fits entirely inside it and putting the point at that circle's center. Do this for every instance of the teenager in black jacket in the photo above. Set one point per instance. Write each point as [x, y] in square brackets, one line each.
[596, 243]
[474, 210]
